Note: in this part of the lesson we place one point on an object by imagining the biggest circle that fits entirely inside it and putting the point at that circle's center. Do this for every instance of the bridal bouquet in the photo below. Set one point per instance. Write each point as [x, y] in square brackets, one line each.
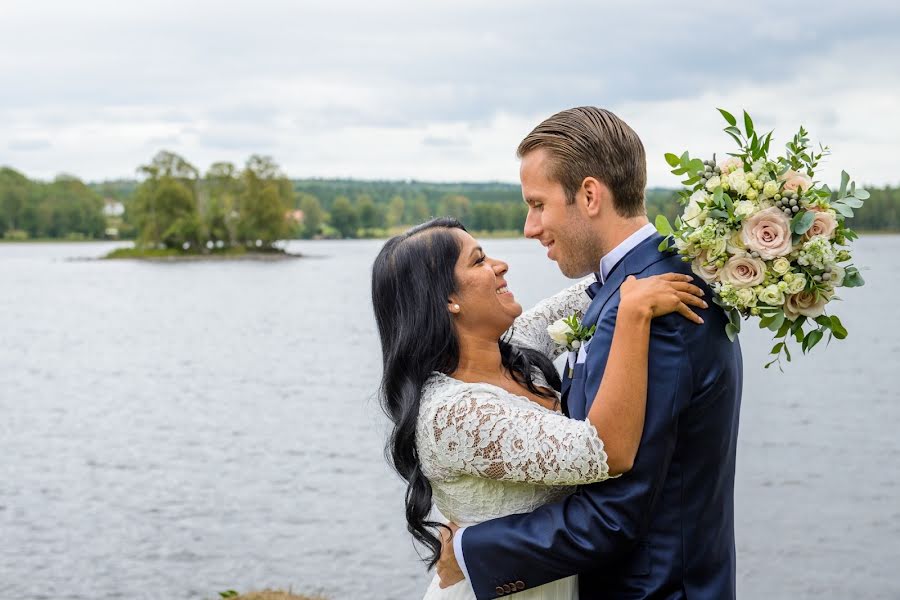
[770, 240]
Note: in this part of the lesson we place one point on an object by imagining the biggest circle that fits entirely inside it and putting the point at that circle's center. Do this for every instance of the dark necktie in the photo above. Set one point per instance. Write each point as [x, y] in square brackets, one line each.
[594, 287]
[591, 291]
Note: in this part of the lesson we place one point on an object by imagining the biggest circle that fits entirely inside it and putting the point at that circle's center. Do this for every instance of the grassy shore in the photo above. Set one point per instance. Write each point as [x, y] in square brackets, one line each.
[172, 255]
[267, 595]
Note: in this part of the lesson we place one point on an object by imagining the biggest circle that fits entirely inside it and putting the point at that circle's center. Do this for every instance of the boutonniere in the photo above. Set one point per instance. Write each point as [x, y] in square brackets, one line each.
[571, 334]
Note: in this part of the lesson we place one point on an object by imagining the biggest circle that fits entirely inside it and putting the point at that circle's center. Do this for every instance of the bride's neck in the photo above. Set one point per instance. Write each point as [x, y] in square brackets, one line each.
[479, 359]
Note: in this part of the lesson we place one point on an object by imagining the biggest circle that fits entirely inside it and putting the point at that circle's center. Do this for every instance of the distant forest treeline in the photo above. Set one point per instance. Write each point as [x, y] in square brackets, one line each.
[68, 208]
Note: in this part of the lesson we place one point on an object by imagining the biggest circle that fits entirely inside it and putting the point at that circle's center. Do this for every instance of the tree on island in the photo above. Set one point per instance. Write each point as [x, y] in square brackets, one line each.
[265, 198]
[165, 204]
[175, 209]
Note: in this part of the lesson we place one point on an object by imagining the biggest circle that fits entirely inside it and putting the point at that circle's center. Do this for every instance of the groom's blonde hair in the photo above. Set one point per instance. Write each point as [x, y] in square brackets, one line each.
[593, 142]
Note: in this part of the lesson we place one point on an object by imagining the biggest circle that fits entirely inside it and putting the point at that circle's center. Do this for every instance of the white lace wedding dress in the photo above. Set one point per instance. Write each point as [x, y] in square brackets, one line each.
[489, 453]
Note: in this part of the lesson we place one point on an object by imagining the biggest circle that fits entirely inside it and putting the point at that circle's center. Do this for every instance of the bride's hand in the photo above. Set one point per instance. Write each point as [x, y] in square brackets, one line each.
[660, 295]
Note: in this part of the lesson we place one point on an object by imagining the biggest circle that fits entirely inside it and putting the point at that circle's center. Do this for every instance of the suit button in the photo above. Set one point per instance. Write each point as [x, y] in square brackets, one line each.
[507, 588]
[520, 585]
[499, 591]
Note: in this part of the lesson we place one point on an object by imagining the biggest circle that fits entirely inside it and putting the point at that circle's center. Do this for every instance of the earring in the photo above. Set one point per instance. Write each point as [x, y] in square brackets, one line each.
[456, 307]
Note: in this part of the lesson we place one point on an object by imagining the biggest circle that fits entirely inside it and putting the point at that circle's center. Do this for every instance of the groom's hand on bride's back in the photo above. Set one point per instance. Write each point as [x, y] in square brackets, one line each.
[447, 568]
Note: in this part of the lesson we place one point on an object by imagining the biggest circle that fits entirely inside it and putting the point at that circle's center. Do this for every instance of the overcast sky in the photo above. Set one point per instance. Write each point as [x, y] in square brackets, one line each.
[439, 91]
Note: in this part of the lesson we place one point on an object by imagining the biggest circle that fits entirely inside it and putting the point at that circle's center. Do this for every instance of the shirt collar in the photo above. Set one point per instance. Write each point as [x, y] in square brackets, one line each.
[618, 253]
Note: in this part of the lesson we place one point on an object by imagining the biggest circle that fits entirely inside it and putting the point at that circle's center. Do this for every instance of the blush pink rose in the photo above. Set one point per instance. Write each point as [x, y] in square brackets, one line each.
[796, 181]
[768, 232]
[730, 164]
[706, 271]
[805, 303]
[743, 271]
[824, 225]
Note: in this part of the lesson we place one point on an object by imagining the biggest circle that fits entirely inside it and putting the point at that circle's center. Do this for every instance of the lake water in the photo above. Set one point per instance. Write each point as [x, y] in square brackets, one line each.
[175, 430]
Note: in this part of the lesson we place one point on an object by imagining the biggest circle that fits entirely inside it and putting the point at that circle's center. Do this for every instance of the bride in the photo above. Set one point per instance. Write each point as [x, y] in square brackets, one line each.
[472, 392]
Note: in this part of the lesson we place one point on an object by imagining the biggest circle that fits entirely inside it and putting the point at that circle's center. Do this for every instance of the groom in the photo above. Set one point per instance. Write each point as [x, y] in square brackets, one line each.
[665, 529]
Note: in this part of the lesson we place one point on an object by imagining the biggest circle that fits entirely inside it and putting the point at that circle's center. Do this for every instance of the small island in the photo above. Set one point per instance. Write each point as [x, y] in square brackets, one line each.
[226, 215]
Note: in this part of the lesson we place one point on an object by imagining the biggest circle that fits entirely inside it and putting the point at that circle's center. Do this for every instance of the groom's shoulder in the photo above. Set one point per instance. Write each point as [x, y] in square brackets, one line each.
[667, 262]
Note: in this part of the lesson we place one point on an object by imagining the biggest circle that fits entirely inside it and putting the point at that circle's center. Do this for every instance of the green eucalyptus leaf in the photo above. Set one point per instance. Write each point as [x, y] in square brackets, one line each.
[824, 320]
[861, 194]
[672, 159]
[728, 116]
[777, 323]
[845, 179]
[853, 278]
[843, 209]
[735, 138]
[748, 124]
[783, 330]
[695, 165]
[802, 221]
[662, 225]
[731, 331]
[812, 338]
[852, 202]
[837, 328]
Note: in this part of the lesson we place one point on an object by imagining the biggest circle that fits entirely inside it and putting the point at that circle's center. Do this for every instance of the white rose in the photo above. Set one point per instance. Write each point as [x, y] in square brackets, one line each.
[735, 244]
[693, 214]
[717, 247]
[796, 284]
[744, 208]
[808, 304]
[837, 275]
[558, 331]
[713, 182]
[738, 182]
[771, 188]
[752, 194]
[772, 295]
[781, 265]
[746, 296]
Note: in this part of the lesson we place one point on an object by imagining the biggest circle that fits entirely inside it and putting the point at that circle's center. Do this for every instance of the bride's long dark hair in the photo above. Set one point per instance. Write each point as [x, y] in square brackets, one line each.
[412, 281]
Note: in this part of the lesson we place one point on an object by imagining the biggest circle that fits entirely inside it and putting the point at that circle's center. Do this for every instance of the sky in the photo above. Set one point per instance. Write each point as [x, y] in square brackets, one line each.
[435, 91]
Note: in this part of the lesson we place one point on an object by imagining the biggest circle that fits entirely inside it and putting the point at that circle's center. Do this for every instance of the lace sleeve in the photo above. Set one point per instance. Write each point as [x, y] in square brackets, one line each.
[476, 431]
[530, 328]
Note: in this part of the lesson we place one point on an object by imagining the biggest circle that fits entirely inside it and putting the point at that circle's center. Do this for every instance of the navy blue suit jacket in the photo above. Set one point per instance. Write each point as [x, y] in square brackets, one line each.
[665, 529]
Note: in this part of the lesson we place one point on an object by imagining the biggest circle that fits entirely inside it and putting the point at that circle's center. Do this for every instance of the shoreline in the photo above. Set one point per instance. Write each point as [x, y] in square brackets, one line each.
[504, 235]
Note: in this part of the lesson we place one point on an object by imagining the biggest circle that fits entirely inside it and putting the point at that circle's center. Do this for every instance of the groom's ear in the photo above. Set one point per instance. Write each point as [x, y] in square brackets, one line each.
[597, 197]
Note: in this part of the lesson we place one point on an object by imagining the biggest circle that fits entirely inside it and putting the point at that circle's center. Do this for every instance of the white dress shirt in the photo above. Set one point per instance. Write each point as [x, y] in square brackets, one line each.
[609, 260]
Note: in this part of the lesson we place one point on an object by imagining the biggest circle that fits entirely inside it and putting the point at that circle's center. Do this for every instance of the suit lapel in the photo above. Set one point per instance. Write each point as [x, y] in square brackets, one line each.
[642, 256]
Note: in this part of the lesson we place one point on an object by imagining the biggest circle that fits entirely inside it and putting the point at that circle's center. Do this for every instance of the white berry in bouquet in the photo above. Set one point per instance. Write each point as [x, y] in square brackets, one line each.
[770, 240]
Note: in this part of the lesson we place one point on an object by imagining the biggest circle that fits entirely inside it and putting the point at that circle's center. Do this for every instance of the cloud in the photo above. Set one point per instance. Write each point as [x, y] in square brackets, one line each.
[28, 145]
[406, 89]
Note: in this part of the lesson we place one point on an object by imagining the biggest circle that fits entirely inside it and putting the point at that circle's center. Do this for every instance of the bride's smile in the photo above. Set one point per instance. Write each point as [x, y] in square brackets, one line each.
[485, 300]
